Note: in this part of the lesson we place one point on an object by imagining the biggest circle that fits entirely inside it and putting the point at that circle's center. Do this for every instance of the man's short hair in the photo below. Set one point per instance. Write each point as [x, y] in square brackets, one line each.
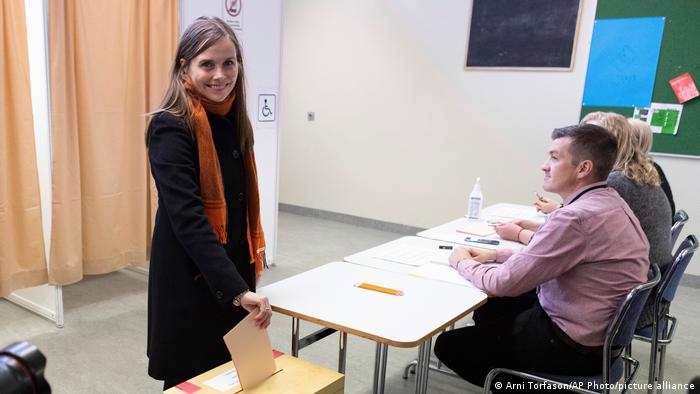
[591, 142]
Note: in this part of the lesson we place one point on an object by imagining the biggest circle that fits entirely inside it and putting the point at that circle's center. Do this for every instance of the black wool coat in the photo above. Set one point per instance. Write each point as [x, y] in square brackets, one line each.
[192, 277]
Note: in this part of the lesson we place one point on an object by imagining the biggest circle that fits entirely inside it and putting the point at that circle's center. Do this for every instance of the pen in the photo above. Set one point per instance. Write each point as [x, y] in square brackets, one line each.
[448, 247]
[380, 289]
[482, 240]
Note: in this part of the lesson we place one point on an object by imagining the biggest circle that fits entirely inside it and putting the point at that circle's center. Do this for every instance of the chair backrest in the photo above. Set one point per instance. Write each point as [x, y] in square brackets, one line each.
[672, 273]
[621, 330]
[679, 220]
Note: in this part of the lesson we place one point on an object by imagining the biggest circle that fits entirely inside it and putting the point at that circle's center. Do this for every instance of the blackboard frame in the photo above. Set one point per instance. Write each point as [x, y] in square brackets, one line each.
[533, 14]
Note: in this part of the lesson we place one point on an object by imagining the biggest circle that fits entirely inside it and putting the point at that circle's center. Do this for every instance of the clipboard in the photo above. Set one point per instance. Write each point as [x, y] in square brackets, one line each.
[251, 352]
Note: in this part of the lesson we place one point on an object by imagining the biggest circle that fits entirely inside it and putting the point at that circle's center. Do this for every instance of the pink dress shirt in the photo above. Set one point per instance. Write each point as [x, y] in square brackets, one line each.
[585, 258]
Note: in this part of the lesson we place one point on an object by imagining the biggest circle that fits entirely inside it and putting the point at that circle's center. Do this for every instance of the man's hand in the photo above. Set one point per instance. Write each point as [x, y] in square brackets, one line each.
[458, 254]
[545, 205]
[508, 231]
[528, 224]
[483, 255]
[476, 254]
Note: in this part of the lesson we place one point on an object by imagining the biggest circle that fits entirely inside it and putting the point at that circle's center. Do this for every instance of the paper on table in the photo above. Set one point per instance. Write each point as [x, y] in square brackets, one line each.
[510, 212]
[225, 381]
[441, 272]
[442, 258]
[406, 254]
[481, 229]
[251, 351]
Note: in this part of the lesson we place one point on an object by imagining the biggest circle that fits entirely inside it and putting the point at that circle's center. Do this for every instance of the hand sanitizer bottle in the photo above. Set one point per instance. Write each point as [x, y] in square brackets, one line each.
[475, 200]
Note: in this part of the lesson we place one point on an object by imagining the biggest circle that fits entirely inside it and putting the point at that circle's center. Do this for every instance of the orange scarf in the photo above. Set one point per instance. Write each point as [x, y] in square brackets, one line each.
[210, 181]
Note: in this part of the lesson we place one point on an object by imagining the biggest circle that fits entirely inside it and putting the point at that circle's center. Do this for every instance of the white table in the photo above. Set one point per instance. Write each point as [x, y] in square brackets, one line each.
[422, 258]
[418, 251]
[327, 296]
[502, 212]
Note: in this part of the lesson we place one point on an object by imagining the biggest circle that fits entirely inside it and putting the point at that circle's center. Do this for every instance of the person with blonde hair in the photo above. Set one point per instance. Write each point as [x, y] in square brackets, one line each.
[645, 135]
[208, 247]
[636, 180]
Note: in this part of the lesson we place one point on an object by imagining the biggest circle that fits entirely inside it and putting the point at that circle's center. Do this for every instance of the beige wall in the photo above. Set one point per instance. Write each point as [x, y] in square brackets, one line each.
[401, 130]
[682, 174]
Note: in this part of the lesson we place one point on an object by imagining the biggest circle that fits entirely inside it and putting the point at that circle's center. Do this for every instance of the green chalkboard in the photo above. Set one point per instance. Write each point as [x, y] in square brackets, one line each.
[680, 53]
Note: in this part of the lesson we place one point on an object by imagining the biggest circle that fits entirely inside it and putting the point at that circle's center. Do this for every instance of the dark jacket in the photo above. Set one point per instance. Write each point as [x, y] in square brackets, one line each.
[666, 188]
[192, 277]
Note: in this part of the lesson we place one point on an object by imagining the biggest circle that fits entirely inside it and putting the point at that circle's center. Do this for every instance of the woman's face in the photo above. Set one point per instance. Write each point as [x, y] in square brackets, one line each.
[213, 73]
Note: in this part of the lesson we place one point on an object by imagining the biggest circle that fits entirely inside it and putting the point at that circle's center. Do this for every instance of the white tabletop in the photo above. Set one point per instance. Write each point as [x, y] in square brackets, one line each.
[421, 257]
[502, 212]
[327, 295]
[417, 251]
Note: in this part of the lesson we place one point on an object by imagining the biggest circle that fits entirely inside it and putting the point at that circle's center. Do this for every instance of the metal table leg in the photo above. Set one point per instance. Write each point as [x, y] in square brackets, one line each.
[342, 351]
[423, 367]
[380, 368]
[295, 337]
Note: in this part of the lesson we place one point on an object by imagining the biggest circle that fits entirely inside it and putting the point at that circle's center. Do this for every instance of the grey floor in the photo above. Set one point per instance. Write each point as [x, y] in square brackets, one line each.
[101, 349]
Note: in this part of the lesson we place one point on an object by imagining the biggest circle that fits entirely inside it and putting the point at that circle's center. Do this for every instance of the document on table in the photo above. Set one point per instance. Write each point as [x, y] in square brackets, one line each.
[441, 272]
[508, 212]
[410, 255]
[225, 381]
[481, 229]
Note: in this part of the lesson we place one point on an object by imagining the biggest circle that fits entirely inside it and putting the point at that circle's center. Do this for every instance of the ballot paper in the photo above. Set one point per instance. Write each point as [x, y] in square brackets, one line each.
[440, 272]
[251, 351]
[224, 382]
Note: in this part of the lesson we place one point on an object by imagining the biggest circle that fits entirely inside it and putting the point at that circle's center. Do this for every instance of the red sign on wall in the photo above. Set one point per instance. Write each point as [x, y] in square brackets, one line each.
[684, 88]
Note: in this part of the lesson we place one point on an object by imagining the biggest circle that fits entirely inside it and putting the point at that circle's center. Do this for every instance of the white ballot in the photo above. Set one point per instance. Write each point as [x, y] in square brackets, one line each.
[224, 381]
[251, 352]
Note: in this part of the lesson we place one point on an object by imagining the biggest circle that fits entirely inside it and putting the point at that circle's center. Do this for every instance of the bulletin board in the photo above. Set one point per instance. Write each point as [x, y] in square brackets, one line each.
[679, 54]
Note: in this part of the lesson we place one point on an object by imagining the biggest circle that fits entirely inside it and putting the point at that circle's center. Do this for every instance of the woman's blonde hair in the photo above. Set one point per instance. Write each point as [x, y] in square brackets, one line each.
[643, 132]
[632, 161]
[197, 38]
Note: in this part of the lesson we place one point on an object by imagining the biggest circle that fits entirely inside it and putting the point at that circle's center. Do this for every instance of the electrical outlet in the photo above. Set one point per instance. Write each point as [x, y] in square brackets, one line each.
[310, 116]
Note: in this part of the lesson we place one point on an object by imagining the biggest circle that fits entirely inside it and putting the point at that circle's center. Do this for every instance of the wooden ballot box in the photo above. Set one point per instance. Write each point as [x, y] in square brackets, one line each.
[293, 376]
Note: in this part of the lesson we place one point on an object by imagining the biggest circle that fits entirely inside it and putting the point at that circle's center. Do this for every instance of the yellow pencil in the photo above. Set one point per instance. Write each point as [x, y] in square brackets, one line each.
[380, 289]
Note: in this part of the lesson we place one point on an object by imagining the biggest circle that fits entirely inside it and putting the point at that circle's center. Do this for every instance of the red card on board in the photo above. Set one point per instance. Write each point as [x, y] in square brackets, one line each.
[684, 88]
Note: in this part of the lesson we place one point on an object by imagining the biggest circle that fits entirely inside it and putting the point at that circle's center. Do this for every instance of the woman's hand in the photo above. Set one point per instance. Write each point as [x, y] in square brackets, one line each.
[254, 302]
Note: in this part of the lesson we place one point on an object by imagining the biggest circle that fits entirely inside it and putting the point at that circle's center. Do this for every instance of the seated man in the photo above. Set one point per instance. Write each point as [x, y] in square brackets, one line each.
[584, 260]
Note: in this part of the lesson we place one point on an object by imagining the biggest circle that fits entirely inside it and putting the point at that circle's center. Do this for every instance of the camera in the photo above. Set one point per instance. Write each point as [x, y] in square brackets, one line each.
[22, 370]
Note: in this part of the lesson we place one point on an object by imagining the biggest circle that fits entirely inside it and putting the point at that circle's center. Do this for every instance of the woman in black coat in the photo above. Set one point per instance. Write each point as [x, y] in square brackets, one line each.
[208, 247]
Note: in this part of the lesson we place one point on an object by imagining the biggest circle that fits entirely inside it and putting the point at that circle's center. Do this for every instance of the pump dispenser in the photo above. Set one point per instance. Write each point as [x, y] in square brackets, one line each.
[475, 201]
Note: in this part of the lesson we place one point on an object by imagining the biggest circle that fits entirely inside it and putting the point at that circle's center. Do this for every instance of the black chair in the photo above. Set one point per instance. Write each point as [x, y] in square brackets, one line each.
[665, 324]
[680, 218]
[618, 336]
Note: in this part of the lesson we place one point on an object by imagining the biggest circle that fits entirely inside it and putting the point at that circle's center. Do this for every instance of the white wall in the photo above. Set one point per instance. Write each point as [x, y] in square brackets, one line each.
[260, 38]
[401, 130]
[682, 174]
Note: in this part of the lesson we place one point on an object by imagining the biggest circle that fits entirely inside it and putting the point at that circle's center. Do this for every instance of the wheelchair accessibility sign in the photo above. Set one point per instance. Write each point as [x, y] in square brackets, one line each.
[266, 107]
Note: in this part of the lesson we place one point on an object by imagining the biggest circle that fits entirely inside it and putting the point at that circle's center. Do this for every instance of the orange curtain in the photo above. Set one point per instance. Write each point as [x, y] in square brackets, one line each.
[22, 257]
[109, 65]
